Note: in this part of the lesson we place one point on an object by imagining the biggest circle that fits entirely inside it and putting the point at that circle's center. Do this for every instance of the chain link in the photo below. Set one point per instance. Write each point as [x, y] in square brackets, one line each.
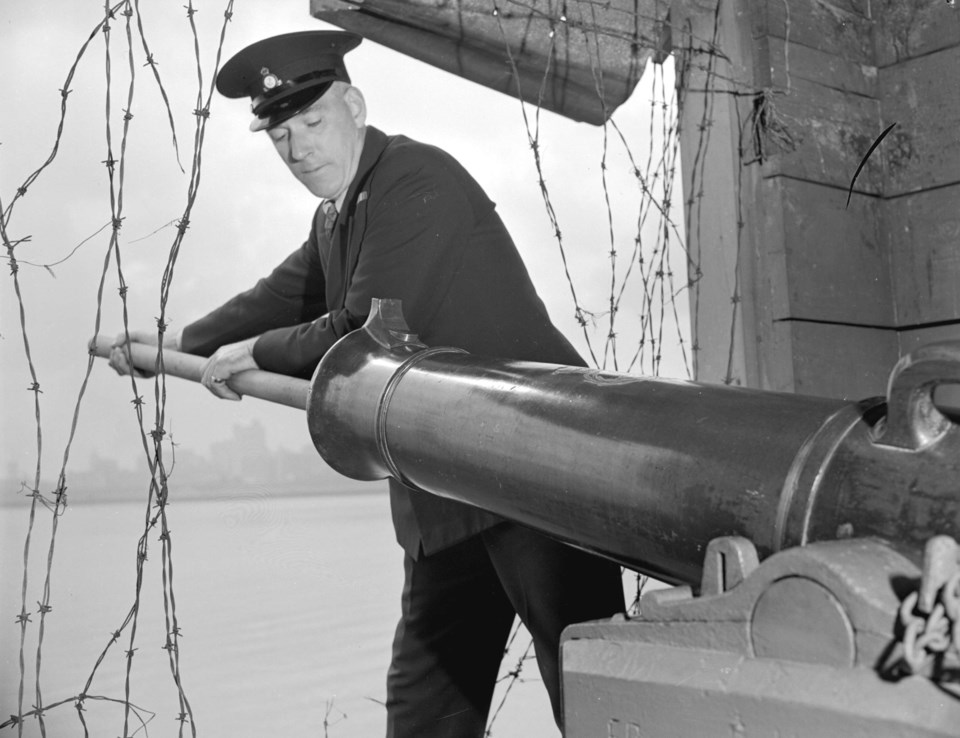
[951, 605]
[931, 640]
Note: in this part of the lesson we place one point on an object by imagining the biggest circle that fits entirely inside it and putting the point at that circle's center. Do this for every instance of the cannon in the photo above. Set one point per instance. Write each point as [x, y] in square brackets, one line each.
[642, 471]
[811, 542]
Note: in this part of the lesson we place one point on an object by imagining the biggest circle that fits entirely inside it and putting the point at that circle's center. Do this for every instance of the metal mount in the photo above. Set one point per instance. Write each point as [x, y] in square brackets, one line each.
[804, 641]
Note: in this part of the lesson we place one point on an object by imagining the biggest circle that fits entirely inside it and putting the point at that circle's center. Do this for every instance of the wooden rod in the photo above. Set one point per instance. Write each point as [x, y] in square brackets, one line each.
[267, 386]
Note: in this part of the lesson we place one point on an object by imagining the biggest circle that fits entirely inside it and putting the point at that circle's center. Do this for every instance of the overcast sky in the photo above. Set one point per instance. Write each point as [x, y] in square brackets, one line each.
[249, 213]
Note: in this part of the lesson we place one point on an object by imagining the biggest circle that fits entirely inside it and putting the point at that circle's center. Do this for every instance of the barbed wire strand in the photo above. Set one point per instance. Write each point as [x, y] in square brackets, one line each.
[672, 134]
[729, 377]
[152, 63]
[533, 138]
[44, 607]
[116, 205]
[64, 92]
[512, 677]
[667, 233]
[664, 172]
[23, 617]
[650, 280]
[159, 489]
[202, 113]
[610, 30]
[694, 197]
[596, 71]
[618, 293]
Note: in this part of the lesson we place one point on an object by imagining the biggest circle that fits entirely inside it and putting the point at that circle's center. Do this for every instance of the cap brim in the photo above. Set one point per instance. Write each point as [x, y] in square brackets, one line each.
[289, 104]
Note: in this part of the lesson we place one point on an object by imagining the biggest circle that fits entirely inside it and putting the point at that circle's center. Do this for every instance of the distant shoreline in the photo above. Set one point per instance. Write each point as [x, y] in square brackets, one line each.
[10, 498]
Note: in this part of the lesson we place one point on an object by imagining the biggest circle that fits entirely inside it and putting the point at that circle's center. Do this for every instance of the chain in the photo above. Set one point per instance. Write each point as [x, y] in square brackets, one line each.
[930, 618]
[924, 637]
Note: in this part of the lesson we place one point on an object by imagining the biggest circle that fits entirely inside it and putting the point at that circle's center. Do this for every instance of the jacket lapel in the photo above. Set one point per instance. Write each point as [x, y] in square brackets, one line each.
[346, 236]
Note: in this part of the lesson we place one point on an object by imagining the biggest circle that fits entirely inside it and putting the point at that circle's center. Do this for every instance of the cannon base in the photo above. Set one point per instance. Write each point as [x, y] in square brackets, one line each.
[805, 644]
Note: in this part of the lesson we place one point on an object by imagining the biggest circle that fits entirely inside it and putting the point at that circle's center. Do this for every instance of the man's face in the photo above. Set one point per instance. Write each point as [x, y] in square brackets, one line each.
[321, 144]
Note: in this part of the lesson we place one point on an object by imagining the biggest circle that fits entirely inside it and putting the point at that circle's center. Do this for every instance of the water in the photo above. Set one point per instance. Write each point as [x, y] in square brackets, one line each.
[286, 606]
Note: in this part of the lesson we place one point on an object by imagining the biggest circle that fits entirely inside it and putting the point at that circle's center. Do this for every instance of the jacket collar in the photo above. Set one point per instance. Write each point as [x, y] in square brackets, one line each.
[374, 142]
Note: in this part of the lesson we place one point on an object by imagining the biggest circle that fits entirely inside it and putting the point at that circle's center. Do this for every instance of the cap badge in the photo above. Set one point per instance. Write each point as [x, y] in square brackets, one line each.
[270, 80]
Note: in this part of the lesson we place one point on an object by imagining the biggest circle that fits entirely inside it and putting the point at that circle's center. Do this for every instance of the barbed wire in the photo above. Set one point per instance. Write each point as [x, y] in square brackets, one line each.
[59, 504]
[533, 139]
[657, 292]
[694, 196]
[512, 677]
[157, 493]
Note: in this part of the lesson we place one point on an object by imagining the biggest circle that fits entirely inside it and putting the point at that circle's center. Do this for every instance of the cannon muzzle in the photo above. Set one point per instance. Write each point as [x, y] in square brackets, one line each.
[640, 470]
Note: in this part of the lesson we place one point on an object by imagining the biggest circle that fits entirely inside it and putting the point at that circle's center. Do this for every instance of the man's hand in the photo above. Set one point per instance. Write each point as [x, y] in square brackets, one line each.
[120, 354]
[227, 361]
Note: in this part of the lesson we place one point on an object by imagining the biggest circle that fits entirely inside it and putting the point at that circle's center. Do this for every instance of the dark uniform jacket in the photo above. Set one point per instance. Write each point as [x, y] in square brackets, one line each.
[414, 226]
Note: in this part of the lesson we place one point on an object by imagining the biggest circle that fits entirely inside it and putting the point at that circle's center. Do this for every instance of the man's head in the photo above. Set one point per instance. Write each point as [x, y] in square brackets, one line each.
[321, 145]
[300, 93]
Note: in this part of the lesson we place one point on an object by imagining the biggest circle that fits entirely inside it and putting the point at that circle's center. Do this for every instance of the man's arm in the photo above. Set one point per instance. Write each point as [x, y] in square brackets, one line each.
[412, 230]
[291, 294]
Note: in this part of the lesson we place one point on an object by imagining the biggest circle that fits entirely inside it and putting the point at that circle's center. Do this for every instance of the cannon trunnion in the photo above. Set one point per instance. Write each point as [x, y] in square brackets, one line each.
[812, 539]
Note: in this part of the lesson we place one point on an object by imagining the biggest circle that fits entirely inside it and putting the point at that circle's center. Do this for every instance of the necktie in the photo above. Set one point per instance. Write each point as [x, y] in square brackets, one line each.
[329, 208]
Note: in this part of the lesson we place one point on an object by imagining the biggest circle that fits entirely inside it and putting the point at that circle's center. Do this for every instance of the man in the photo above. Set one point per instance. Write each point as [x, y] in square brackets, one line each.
[400, 219]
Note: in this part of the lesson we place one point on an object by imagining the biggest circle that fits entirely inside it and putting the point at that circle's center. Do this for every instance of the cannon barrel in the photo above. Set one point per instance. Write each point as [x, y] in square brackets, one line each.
[643, 471]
